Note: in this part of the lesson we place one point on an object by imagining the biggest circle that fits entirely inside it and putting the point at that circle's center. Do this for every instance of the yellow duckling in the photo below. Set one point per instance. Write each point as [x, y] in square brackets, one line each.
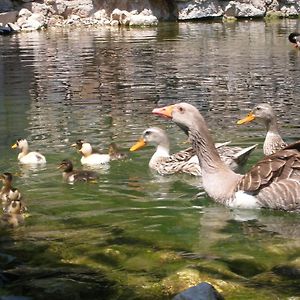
[26, 157]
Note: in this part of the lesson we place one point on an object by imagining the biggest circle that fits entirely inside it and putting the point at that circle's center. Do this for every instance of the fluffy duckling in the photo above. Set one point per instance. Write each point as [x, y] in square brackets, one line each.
[8, 192]
[294, 38]
[13, 215]
[71, 175]
[26, 157]
[88, 156]
[114, 152]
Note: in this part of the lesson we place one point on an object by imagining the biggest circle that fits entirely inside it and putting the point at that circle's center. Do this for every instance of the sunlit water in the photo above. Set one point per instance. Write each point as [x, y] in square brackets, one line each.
[134, 227]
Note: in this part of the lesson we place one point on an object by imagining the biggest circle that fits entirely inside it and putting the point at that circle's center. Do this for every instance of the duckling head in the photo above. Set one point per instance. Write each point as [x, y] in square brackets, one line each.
[20, 143]
[6, 177]
[83, 147]
[66, 165]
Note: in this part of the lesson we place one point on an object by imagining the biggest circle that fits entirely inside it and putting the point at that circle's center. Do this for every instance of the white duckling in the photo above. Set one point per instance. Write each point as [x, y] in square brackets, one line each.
[26, 157]
[89, 157]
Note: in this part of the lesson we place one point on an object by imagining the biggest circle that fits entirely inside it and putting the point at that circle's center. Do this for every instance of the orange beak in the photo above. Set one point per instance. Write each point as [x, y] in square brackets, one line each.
[165, 111]
[14, 146]
[138, 145]
[247, 119]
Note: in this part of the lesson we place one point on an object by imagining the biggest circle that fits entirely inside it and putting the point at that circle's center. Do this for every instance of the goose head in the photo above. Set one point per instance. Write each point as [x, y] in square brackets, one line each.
[153, 136]
[262, 112]
[185, 115]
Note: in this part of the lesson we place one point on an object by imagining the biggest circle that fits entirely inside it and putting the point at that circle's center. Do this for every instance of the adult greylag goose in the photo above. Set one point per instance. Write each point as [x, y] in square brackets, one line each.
[184, 161]
[274, 182]
[8, 193]
[71, 175]
[26, 157]
[294, 38]
[265, 114]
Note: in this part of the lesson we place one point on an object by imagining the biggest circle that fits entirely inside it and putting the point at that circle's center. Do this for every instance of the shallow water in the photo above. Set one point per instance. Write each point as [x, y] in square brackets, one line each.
[127, 236]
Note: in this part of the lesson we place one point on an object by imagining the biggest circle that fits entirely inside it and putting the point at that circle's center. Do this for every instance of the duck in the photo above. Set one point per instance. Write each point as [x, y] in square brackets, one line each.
[273, 182]
[88, 156]
[264, 113]
[26, 157]
[294, 38]
[8, 193]
[184, 161]
[70, 175]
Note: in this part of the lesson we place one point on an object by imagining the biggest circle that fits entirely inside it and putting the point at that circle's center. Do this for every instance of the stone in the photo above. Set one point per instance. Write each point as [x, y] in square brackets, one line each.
[6, 5]
[244, 10]
[199, 9]
[8, 17]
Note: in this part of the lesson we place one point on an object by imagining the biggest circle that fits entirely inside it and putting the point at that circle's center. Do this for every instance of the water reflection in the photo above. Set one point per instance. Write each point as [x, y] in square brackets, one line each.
[101, 85]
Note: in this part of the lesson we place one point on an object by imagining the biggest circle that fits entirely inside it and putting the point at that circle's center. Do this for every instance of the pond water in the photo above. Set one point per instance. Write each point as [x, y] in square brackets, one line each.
[135, 234]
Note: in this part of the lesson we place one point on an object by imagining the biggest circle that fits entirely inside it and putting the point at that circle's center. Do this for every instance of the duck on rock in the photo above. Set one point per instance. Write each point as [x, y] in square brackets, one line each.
[273, 182]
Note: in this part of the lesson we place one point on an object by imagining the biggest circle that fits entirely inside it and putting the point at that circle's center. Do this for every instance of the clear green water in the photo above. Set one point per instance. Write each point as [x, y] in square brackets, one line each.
[135, 234]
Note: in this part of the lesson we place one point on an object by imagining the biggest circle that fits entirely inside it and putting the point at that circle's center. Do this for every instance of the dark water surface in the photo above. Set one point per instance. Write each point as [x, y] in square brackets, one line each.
[134, 234]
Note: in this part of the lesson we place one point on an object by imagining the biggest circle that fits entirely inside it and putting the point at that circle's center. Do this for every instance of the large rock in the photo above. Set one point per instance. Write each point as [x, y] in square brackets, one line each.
[244, 10]
[8, 17]
[199, 9]
[6, 5]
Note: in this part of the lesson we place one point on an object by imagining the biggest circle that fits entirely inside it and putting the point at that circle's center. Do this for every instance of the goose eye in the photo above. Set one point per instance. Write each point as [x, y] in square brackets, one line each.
[180, 109]
[147, 133]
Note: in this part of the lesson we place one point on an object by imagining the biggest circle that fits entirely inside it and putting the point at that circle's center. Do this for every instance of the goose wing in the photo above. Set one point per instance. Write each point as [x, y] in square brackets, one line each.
[275, 180]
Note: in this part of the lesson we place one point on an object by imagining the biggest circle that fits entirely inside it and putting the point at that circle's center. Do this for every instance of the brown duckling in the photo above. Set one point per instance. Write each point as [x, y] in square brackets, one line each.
[114, 152]
[71, 175]
[8, 192]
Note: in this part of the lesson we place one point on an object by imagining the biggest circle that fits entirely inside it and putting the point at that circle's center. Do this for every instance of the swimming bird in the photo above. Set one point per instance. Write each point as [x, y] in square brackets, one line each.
[273, 182]
[88, 156]
[26, 157]
[71, 175]
[264, 112]
[8, 193]
[294, 38]
[114, 153]
[184, 161]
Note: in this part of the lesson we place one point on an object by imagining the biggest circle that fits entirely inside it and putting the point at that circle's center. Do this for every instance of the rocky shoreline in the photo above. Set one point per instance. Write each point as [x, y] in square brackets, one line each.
[28, 15]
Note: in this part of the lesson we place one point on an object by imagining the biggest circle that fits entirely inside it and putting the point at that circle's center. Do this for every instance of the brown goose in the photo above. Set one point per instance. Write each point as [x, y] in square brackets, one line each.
[185, 161]
[265, 113]
[274, 182]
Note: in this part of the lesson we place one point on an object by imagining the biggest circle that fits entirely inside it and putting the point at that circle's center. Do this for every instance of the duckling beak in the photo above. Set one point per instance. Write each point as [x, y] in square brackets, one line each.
[165, 111]
[138, 145]
[250, 117]
[14, 146]
[74, 145]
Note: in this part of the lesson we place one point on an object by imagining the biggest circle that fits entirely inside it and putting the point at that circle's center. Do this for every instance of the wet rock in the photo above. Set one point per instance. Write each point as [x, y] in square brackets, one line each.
[6, 5]
[244, 265]
[8, 17]
[290, 270]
